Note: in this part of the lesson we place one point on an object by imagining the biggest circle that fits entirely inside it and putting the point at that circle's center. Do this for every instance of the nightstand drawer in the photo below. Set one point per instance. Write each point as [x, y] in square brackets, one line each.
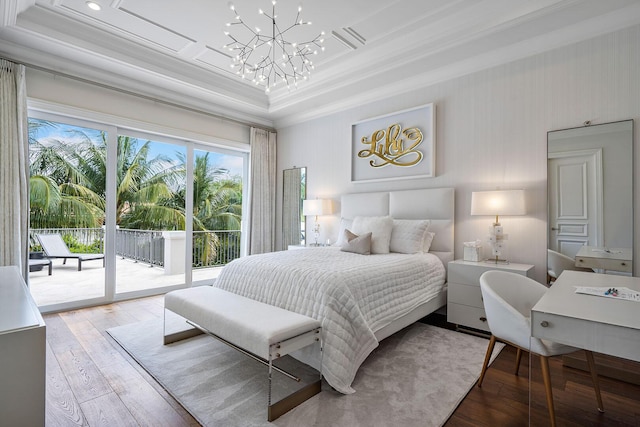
[465, 294]
[468, 316]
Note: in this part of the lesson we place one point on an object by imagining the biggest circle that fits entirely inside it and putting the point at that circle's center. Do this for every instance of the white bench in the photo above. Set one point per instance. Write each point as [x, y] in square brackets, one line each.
[261, 331]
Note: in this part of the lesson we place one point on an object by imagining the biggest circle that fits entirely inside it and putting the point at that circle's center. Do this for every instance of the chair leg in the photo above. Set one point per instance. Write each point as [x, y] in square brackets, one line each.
[544, 364]
[594, 377]
[487, 357]
[79, 264]
[518, 359]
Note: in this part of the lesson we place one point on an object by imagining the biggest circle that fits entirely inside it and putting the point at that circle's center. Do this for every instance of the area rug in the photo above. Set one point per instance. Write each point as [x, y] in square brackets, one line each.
[416, 377]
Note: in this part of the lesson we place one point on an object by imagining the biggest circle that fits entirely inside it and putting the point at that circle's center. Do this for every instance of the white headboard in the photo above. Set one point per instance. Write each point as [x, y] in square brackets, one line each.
[434, 204]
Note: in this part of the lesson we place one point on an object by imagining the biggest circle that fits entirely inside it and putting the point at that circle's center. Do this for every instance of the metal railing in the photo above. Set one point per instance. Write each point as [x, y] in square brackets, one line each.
[210, 248]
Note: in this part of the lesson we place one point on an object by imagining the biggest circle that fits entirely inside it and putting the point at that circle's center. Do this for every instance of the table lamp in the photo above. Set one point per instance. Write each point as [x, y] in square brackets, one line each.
[499, 202]
[315, 208]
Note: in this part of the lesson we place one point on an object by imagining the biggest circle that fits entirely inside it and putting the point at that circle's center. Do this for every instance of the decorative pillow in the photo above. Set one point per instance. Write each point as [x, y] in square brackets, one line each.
[426, 243]
[380, 228]
[356, 244]
[345, 223]
[408, 235]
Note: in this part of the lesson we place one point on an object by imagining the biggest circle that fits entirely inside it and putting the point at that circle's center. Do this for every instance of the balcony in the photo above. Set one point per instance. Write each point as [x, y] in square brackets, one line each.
[145, 259]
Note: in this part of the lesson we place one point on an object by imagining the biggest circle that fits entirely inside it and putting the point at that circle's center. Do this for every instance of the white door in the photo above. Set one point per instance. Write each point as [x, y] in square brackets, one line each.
[575, 200]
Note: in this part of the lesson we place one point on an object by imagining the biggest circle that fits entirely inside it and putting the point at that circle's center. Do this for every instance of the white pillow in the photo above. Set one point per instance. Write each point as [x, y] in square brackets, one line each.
[426, 243]
[356, 244]
[380, 228]
[408, 235]
[345, 224]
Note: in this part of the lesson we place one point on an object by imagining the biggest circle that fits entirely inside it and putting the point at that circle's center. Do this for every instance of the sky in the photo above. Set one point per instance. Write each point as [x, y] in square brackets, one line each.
[70, 133]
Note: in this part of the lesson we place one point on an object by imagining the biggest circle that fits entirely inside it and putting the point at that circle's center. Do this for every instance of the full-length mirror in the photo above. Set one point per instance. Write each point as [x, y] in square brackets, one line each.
[590, 192]
[294, 192]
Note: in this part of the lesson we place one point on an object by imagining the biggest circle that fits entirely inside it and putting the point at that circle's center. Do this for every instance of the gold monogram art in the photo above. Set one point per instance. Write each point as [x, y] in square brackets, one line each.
[393, 146]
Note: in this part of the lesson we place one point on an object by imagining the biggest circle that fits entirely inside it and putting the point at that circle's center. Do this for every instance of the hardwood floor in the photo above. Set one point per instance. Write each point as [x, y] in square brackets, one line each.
[92, 381]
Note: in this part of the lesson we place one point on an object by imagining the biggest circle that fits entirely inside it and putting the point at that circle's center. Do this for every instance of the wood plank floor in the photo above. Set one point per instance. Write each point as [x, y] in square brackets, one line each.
[91, 381]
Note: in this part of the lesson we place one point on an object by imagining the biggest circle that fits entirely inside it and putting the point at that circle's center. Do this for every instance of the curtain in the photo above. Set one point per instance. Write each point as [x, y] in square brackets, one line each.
[14, 170]
[262, 199]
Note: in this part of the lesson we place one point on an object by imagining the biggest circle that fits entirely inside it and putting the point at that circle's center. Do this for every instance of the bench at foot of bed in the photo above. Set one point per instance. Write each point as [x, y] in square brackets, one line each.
[260, 331]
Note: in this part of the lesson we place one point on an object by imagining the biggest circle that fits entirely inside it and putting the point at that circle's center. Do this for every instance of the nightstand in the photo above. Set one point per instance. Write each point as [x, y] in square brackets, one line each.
[464, 299]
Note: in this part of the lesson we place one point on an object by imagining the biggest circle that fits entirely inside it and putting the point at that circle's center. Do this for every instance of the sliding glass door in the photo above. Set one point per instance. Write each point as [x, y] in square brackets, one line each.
[217, 210]
[149, 213]
[67, 210]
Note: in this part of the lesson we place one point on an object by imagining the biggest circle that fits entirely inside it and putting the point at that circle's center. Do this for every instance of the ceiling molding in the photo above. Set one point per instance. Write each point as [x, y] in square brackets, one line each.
[432, 42]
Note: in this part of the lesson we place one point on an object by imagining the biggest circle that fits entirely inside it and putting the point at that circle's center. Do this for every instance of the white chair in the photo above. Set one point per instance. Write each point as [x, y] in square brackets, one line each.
[508, 299]
[557, 263]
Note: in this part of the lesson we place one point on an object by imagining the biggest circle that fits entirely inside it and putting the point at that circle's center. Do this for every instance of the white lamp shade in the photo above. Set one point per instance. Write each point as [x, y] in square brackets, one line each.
[507, 202]
[317, 207]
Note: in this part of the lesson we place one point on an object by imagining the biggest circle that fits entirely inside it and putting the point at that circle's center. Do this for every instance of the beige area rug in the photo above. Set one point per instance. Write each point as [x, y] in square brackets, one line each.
[416, 377]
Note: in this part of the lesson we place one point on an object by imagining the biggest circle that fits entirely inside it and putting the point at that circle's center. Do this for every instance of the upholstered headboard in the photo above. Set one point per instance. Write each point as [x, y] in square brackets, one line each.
[434, 204]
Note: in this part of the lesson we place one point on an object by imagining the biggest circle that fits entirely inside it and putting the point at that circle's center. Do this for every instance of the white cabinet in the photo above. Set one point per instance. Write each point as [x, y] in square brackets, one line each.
[22, 354]
[464, 299]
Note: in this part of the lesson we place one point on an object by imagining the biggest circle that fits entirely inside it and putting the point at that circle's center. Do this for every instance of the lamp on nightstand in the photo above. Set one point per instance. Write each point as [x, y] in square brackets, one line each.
[499, 202]
[315, 208]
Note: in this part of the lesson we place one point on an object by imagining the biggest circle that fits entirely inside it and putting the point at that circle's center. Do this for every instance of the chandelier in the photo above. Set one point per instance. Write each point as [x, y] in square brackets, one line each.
[270, 60]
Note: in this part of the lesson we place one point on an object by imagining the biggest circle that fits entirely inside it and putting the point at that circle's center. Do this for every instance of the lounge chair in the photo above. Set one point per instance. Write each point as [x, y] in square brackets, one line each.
[54, 247]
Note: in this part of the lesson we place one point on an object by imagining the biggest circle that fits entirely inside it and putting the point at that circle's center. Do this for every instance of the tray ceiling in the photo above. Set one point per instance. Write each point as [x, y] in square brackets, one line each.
[173, 50]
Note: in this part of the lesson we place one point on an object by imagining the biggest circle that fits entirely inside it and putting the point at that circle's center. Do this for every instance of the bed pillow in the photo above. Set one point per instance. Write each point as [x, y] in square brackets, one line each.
[408, 235]
[426, 243]
[345, 224]
[356, 244]
[380, 228]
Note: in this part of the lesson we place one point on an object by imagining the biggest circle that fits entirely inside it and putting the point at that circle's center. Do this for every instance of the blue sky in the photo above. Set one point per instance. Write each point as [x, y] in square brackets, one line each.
[70, 133]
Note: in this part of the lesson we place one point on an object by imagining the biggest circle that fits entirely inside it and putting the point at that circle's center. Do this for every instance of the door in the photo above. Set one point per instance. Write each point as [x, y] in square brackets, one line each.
[575, 200]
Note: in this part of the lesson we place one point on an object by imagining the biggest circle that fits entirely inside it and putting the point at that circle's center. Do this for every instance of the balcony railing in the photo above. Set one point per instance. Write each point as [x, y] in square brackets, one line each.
[210, 248]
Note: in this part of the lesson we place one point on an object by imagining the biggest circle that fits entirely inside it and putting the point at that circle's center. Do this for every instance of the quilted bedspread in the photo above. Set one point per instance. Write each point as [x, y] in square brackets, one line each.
[352, 295]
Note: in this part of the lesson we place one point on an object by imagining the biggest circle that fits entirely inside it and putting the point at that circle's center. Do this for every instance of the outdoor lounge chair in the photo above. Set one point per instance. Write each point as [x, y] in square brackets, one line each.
[54, 247]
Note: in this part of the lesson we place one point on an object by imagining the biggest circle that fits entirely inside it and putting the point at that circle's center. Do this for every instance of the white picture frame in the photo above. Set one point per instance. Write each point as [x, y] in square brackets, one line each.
[386, 147]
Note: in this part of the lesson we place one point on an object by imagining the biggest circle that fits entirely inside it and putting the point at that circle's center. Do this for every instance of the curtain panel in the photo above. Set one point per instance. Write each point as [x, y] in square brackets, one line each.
[14, 170]
[262, 199]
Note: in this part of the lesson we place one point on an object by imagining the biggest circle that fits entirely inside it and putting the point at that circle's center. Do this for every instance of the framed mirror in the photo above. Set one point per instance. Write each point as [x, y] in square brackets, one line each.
[590, 196]
[294, 192]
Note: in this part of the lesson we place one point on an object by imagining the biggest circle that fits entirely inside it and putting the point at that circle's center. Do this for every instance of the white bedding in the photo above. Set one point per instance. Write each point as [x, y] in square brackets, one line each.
[352, 295]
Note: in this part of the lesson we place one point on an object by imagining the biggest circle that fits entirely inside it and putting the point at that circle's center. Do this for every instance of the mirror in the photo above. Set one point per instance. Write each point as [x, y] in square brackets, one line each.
[294, 192]
[590, 193]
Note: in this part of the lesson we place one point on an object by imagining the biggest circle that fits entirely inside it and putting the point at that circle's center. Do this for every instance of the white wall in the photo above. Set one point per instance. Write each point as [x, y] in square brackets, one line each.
[59, 94]
[491, 133]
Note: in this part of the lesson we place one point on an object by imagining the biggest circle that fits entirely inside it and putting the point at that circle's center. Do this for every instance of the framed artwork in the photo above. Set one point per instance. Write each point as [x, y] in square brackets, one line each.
[400, 145]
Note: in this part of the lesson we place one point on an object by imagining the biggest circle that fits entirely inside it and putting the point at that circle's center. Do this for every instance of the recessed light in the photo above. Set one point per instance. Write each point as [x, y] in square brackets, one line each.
[93, 5]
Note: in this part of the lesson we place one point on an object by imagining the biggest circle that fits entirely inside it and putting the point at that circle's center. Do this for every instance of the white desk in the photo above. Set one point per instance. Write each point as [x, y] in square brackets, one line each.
[616, 259]
[603, 325]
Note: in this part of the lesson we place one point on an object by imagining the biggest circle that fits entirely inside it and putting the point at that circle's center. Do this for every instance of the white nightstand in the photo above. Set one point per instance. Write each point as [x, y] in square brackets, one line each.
[293, 247]
[464, 299]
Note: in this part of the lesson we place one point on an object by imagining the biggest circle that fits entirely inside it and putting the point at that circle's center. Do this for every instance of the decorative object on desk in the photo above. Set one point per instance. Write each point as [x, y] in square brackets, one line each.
[271, 59]
[472, 251]
[505, 202]
[317, 207]
[618, 293]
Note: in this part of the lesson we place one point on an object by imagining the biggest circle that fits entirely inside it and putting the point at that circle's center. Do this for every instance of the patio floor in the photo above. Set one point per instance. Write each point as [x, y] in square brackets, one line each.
[68, 284]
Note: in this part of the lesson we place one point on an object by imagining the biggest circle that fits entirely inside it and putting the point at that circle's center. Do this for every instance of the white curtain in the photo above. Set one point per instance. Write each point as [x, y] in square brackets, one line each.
[14, 170]
[262, 207]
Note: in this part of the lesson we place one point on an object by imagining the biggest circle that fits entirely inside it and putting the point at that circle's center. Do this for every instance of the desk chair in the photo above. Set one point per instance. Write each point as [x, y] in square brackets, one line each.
[508, 299]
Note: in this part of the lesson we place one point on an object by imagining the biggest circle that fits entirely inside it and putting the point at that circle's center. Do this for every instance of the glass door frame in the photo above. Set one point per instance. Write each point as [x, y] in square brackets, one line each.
[112, 133]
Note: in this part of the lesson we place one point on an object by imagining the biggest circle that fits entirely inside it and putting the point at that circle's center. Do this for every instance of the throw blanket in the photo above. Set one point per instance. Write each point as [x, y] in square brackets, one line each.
[352, 295]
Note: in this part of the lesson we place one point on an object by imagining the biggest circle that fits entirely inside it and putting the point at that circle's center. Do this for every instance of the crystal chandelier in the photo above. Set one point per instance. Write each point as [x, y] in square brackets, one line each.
[270, 60]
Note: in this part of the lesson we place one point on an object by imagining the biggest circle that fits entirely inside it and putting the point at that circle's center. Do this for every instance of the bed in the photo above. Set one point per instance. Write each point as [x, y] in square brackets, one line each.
[359, 299]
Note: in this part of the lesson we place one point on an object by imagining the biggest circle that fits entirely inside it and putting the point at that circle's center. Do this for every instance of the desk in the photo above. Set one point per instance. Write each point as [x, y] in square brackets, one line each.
[616, 259]
[603, 325]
